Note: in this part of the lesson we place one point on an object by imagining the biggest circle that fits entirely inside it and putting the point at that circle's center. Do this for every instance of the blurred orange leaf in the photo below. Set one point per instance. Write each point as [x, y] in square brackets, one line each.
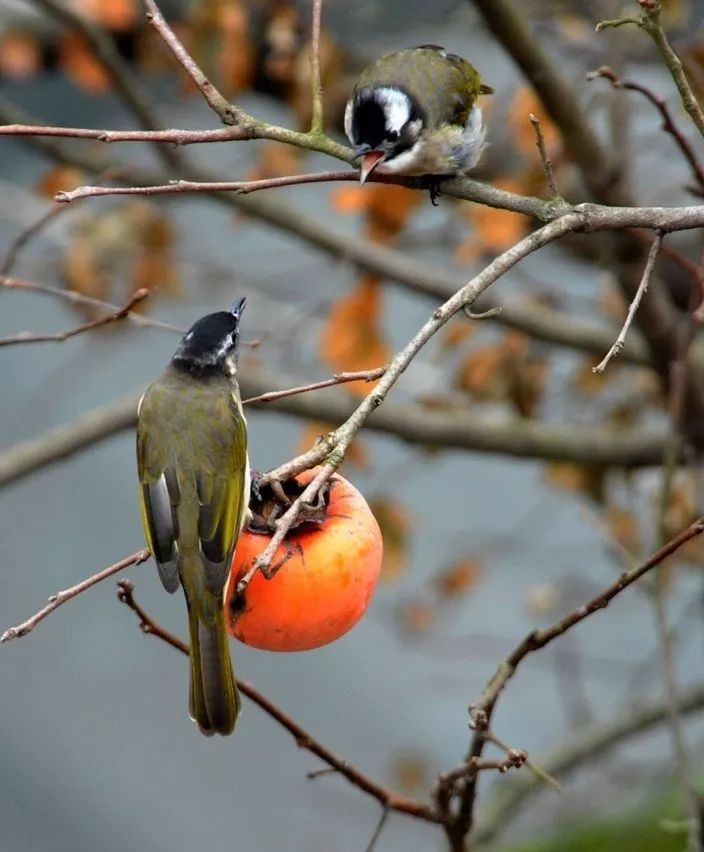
[275, 160]
[394, 523]
[236, 48]
[352, 337]
[79, 64]
[456, 332]
[349, 198]
[586, 381]
[623, 526]
[388, 211]
[459, 578]
[58, 178]
[506, 371]
[115, 15]
[493, 230]
[81, 267]
[411, 773]
[416, 617]
[20, 54]
[587, 479]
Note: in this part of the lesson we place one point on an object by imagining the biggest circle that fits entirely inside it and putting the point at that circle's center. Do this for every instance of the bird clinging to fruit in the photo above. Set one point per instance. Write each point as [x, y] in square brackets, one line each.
[194, 489]
[415, 113]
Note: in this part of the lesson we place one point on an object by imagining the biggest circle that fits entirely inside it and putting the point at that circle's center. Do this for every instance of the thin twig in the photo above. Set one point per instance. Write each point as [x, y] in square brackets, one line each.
[658, 589]
[244, 187]
[545, 160]
[537, 770]
[171, 135]
[55, 601]
[482, 711]
[633, 309]
[585, 745]
[316, 122]
[668, 123]
[85, 301]
[116, 315]
[26, 235]
[377, 831]
[650, 22]
[337, 379]
[387, 798]
[228, 113]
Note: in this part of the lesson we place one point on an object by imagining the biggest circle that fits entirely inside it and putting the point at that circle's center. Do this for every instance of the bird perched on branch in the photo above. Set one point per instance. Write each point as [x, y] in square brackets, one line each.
[415, 113]
[194, 488]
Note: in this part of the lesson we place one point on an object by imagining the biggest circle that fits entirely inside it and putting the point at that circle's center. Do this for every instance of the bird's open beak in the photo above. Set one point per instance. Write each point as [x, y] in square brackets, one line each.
[368, 162]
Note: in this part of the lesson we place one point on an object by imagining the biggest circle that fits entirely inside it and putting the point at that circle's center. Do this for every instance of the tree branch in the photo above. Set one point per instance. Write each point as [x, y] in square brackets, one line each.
[656, 317]
[544, 159]
[584, 746]
[77, 298]
[387, 798]
[618, 345]
[481, 712]
[316, 123]
[650, 23]
[601, 445]
[55, 601]
[116, 315]
[122, 77]
[668, 123]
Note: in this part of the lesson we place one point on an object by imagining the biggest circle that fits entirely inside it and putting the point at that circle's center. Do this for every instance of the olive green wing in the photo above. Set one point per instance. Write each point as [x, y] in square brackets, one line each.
[192, 464]
[159, 490]
[222, 486]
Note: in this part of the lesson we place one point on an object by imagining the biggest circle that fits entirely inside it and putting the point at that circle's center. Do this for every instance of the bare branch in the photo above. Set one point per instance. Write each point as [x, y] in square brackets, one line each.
[377, 831]
[25, 236]
[316, 123]
[240, 187]
[668, 123]
[584, 746]
[650, 23]
[55, 601]
[337, 379]
[169, 136]
[481, 713]
[387, 798]
[545, 160]
[228, 113]
[416, 424]
[118, 314]
[633, 309]
[86, 301]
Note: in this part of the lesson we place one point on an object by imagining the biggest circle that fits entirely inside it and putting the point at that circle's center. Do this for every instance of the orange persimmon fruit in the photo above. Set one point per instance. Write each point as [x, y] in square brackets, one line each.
[328, 573]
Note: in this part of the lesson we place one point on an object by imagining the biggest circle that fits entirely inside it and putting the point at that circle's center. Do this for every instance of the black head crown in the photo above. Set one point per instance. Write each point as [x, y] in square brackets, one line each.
[210, 344]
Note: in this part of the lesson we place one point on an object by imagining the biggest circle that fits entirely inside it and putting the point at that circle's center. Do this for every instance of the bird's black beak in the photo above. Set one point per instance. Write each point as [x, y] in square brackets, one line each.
[369, 160]
[237, 308]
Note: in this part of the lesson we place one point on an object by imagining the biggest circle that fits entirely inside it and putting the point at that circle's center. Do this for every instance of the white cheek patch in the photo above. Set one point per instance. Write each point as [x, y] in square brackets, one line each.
[397, 107]
[348, 120]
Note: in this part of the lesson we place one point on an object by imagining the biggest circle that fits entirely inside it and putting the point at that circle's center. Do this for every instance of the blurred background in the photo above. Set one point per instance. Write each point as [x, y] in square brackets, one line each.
[95, 747]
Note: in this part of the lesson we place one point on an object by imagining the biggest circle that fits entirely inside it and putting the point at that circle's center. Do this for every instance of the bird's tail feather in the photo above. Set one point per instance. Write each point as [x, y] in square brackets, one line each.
[214, 702]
